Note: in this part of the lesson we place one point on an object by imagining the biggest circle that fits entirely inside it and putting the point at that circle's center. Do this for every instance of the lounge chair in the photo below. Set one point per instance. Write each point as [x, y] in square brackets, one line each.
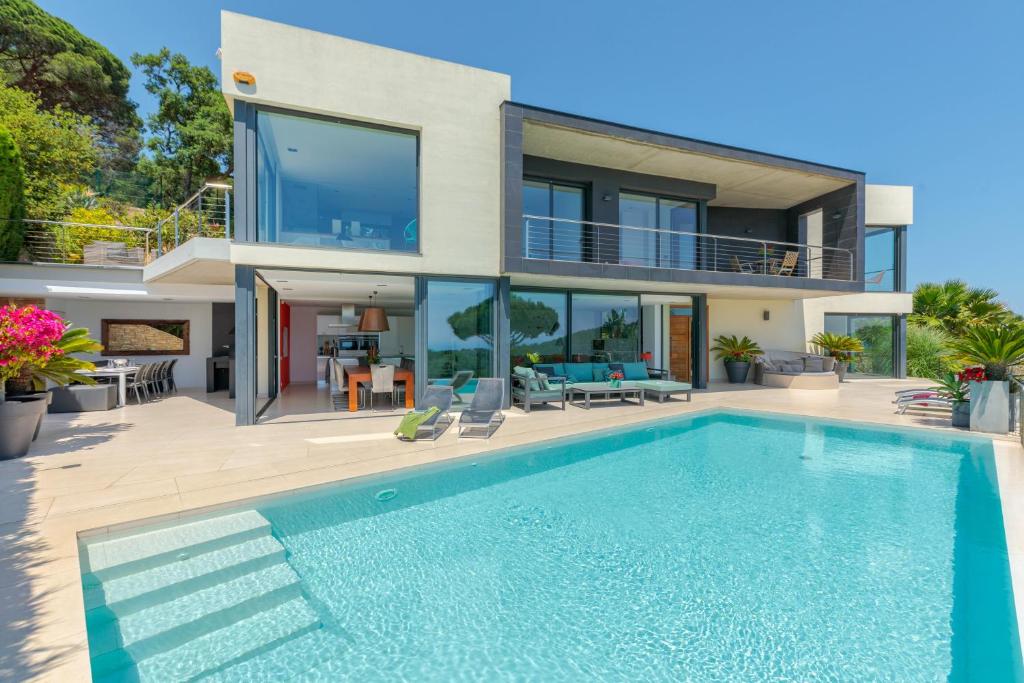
[930, 402]
[436, 398]
[740, 267]
[460, 380]
[484, 411]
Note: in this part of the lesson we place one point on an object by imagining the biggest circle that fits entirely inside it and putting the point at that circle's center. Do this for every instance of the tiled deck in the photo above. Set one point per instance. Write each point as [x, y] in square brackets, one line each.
[183, 453]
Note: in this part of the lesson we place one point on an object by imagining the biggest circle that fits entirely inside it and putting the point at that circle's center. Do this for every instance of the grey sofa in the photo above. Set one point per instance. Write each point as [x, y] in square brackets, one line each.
[82, 398]
[795, 370]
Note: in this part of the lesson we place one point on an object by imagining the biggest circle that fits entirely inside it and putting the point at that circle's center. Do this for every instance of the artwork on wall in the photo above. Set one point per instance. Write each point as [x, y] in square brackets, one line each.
[145, 337]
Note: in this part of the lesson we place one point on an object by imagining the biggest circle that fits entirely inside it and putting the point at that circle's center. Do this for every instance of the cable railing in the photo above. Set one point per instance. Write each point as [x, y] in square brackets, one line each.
[207, 213]
[87, 244]
[561, 239]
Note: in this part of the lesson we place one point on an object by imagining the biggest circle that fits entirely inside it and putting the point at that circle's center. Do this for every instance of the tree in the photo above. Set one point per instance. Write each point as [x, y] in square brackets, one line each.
[57, 149]
[928, 352]
[955, 308]
[50, 58]
[190, 132]
[530, 319]
[473, 321]
[12, 197]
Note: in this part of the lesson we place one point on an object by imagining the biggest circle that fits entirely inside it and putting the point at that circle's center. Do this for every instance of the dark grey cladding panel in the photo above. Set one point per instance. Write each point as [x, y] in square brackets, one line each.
[765, 224]
[614, 180]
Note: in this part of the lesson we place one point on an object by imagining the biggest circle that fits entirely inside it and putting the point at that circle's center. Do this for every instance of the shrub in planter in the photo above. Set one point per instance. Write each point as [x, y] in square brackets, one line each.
[737, 354]
[839, 346]
[996, 348]
[953, 385]
[34, 347]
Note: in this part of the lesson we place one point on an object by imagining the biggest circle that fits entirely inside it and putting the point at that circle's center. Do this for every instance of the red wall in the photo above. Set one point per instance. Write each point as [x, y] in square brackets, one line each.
[284, 343]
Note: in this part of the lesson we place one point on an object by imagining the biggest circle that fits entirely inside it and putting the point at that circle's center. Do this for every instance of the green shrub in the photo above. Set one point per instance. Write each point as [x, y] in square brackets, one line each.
[928, 353]
[12, 197]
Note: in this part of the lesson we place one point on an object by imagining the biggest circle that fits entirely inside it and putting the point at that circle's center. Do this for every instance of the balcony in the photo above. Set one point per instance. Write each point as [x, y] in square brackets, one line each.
[88, 244]
[557, 239]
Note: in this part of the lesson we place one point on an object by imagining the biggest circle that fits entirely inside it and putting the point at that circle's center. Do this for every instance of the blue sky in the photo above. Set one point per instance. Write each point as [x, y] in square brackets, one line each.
[926, 93]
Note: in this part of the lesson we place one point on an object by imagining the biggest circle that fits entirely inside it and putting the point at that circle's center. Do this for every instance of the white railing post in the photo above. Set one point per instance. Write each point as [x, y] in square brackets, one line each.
[227, 214]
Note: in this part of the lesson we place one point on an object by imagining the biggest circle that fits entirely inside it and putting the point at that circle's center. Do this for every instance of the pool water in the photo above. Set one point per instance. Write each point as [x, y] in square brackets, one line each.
[715, 547]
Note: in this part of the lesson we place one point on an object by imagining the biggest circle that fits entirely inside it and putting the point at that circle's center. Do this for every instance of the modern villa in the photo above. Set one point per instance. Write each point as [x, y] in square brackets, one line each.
[366, 177]
[398, 228]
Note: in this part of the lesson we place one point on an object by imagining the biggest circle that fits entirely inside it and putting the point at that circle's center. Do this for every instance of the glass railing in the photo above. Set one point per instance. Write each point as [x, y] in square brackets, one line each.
[559, 239]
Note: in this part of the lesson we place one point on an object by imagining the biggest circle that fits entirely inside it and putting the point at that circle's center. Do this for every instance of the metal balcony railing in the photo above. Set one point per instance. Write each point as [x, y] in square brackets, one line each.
[560, 239]
[87, 244]
[207, 213]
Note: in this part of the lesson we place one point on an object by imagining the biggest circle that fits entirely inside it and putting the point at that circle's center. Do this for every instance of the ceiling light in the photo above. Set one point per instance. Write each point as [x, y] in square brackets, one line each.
[373, 319]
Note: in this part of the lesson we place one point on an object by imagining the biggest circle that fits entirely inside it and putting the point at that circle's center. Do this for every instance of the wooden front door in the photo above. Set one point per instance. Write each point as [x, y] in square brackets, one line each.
[679, 347]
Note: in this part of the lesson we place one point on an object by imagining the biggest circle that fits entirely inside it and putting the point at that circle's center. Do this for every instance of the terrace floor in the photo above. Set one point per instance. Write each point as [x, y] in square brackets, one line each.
[90, 472]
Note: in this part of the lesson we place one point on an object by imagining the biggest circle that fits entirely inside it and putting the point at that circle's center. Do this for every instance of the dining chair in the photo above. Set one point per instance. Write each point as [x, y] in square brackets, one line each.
[382, 381]
[139, 380]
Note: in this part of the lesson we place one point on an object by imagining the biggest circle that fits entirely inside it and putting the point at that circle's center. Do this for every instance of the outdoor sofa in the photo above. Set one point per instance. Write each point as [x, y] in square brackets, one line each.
[795, 370]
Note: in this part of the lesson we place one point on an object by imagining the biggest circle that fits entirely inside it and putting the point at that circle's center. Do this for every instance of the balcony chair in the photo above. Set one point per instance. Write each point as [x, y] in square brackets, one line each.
[741, 267]
[788, 264]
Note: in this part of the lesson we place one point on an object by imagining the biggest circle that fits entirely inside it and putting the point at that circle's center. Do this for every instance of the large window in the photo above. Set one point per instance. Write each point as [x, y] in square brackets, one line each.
[605, 327]
[539, 325]
[877, 333]
[652, 243]
[329, 184]
[460, 332]
[555, 240]
[880, 260]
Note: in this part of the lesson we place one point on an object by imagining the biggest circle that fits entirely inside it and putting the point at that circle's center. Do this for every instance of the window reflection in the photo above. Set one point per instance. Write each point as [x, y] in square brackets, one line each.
[329, 184]
[605, 327]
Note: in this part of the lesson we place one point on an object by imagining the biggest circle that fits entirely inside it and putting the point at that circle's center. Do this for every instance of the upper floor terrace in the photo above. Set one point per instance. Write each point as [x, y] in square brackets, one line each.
[587, 198]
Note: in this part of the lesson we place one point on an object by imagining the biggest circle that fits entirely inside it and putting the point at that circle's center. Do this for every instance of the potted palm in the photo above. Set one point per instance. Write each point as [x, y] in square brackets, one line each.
[737, 354]
[34, 347]
[953, 385]
[996, 348]
[839, 346]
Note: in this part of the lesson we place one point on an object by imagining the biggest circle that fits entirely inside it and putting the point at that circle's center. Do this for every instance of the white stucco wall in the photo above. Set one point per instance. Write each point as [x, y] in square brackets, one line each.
[888, 204]
[454, 108]
[792, 323]
[190, 370]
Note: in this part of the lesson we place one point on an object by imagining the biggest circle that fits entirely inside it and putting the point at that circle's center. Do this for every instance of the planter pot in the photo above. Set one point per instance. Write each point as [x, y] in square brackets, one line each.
[841, 367]
[990, 407]
[615, 383]
[962, 414]
[19, 423]
[45, 396]
[737, 371]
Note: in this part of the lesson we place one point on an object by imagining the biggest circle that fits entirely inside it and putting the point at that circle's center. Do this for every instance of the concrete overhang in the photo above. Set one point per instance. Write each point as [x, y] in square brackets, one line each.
[200, 261]
[744, 178]
[91, 282]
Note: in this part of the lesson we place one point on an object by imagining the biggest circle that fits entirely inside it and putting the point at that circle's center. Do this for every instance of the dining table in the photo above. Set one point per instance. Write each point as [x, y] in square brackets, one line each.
[121, 373]
[361, 373]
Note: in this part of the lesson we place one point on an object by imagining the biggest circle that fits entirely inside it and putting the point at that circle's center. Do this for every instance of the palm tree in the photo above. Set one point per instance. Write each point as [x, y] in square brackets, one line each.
[955, 307]
[999, 348]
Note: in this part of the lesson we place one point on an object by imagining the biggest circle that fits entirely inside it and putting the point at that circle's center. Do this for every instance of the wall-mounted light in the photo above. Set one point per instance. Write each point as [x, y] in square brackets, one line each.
[766, 314]
[836, 215]
[243, 78]
[606, 197]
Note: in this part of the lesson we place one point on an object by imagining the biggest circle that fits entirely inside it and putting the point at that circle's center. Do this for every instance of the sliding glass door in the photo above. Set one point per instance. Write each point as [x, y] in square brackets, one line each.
[648, 239]
[605, 327]
[460, 333]
[553, 240]
[877, 333]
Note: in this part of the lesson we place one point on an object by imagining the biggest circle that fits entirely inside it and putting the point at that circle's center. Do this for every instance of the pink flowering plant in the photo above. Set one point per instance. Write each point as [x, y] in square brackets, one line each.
[35, 345]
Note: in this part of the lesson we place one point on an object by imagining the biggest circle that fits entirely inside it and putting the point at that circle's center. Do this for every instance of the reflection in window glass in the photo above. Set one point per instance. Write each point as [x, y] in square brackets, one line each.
[556, 240]
[658, 247]
[876, 333]
[880, 259]
[538, 326]
[460, 332]
[328, 184]
[605, 327]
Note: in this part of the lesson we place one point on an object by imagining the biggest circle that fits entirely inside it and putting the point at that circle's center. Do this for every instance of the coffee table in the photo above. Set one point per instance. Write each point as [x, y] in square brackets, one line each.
[664, 388]
[604, 390]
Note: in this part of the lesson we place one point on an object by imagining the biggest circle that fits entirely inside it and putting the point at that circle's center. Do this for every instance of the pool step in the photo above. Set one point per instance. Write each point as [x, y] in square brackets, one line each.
[130, 554]
[290, 660]
[182, 602]
[131, 593]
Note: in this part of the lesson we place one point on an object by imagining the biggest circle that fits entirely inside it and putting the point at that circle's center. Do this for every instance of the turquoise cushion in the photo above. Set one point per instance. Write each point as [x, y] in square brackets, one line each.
[550, 369]
[529, 375]
[600, 372]
[635, 371]
[580, 372]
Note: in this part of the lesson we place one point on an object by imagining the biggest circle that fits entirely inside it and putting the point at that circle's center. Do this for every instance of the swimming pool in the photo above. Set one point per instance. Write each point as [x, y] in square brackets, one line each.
[717, 546]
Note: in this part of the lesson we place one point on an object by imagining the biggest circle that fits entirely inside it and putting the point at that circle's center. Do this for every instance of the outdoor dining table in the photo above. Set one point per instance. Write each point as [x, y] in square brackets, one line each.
[122, 379]
[361, 373]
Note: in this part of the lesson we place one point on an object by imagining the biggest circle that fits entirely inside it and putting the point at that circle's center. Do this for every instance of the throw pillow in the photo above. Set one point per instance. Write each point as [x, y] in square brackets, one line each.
[792, 366]
[542, 379]
[600, 374]
[814, 364]
[529, 375]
